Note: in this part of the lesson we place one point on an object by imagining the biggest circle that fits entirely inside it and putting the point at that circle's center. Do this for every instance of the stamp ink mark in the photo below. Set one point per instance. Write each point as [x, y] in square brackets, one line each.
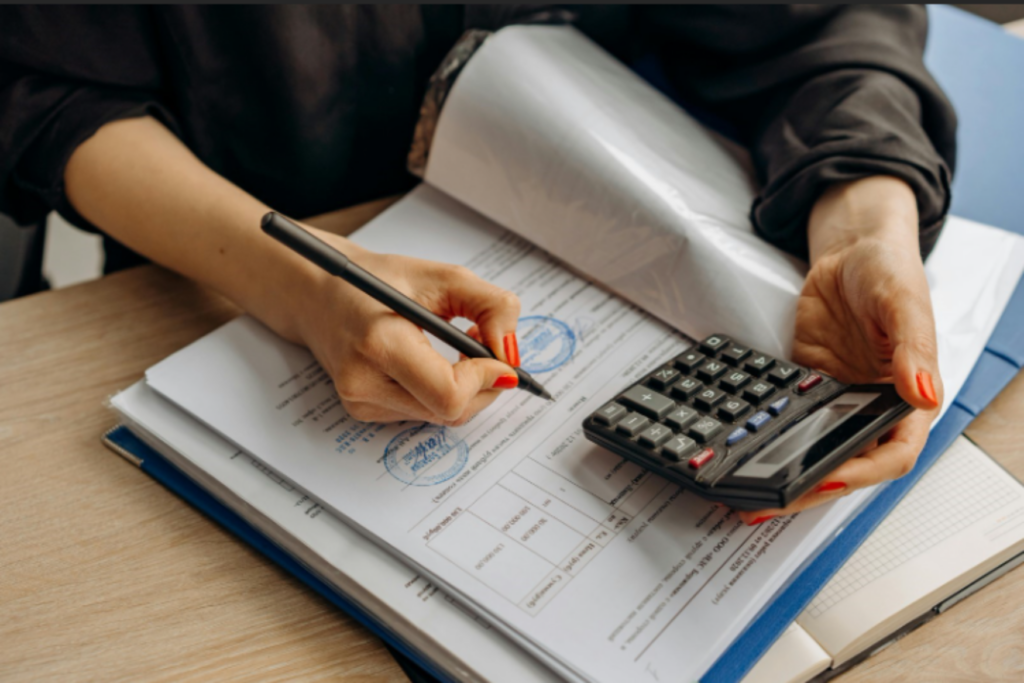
[425, 455]
[545, 344]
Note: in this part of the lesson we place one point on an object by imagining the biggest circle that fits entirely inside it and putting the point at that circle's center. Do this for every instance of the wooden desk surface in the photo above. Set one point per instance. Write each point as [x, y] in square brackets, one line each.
[104, 575]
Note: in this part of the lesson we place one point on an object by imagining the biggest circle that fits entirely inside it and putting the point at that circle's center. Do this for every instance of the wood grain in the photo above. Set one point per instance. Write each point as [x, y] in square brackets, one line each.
[104, 575]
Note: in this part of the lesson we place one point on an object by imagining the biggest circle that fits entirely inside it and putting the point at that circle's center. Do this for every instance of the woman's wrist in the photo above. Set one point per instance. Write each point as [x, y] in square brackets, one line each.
[877, 208]
[296, 294]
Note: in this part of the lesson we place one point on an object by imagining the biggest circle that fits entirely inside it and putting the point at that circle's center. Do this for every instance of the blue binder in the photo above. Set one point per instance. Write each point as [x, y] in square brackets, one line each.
[970, 58]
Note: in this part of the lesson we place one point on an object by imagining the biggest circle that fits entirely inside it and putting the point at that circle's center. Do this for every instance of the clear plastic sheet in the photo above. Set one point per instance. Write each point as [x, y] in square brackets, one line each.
[551, 137]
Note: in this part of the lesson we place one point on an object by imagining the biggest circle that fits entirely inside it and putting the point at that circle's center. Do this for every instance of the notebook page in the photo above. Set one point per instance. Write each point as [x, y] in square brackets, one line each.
[431, 617]
[611, 572]
[964, 511]
[794, 658]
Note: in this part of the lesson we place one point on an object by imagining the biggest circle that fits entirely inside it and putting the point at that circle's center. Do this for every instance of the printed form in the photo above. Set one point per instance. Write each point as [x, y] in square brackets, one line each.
[584, 556]
[600, 569]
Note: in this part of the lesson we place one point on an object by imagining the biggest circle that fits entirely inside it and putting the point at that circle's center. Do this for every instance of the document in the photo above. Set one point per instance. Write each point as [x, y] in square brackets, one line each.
[425, 617]
[599, 569]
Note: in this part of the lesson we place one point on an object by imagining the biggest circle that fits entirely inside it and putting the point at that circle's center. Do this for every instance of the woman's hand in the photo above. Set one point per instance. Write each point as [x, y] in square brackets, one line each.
[383, 366]
[865, 316]
[138, 182]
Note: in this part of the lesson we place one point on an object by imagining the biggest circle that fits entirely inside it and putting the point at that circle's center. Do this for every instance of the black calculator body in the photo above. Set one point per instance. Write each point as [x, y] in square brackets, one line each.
[740, 427]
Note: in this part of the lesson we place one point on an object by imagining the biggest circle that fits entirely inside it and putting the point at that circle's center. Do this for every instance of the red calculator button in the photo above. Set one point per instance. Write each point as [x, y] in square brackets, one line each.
[702, 458]
[812, 381]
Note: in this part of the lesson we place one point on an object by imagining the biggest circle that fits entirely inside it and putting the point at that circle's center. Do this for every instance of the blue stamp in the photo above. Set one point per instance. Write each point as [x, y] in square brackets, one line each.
[544, 343]
[425, 455]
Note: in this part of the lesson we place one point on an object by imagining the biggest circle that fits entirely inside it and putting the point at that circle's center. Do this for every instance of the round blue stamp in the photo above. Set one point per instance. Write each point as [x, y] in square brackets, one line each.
[425, 455]
[544, 343]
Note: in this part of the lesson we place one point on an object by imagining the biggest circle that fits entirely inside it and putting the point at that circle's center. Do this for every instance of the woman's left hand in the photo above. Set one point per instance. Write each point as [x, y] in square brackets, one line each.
[865, 316]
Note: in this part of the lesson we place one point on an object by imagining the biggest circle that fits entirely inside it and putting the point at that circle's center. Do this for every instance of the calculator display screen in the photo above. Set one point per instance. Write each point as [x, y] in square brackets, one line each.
[798, 440]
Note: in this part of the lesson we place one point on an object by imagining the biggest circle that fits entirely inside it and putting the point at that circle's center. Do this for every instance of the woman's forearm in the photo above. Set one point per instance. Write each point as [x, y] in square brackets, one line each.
[137, 182]
[878, 207]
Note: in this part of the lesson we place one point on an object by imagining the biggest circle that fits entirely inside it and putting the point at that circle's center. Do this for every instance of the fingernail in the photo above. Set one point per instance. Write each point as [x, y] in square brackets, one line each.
[512, 349]
[831, 486]
[506, 382]
[760, 520]
[926, 387]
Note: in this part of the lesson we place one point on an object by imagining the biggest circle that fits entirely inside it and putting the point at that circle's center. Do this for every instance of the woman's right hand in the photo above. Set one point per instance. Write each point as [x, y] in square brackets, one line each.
[140, 184]
[383, 366]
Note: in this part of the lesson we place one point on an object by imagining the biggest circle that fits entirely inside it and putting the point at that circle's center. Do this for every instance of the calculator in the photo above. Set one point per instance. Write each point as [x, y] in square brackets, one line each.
[740, 427]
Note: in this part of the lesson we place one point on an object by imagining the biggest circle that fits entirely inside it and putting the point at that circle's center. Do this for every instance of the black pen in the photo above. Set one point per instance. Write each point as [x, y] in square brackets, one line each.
[334, 262]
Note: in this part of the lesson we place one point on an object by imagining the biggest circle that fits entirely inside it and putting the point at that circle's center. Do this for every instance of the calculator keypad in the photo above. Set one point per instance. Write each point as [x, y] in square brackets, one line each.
[707, 406]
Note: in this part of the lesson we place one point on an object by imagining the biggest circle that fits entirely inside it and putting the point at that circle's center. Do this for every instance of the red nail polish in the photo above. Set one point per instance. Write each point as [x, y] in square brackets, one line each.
[512, 350]
[760, 520]
[506, 382]
[831, 486]
[926, 387]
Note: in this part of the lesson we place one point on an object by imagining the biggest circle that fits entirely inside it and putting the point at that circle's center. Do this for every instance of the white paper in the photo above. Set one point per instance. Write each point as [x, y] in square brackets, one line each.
[406, 601]
[794, 658]
[616, 539]
[550, 136]
[601, 534]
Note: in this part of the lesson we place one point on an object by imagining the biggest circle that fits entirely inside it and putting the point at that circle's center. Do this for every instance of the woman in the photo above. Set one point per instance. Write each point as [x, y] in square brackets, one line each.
[174, 129]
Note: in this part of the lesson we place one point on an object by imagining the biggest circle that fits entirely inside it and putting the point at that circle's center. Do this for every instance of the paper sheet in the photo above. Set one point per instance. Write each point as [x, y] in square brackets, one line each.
[372, 577]
[601, 570]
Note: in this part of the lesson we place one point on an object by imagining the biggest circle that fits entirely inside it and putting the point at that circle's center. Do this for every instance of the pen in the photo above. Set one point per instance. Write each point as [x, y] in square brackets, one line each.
[334, 262]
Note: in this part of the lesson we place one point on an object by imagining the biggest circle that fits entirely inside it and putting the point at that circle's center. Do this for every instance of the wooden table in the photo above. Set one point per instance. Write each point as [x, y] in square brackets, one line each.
[104, 575]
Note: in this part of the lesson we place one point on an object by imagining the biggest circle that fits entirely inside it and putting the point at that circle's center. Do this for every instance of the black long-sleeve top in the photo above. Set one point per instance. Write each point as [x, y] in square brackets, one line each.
[312, 108]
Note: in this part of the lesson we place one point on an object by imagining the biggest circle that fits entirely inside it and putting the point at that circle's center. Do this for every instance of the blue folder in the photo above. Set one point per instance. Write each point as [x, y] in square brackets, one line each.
[970, 57]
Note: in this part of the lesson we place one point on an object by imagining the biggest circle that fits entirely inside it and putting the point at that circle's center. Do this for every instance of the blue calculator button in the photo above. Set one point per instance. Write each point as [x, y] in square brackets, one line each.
[760, 418]
[737, 435]
[778, 406]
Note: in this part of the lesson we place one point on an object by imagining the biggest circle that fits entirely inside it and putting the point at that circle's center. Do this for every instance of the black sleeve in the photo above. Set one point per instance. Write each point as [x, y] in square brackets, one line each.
[64, 73]
[821, 95]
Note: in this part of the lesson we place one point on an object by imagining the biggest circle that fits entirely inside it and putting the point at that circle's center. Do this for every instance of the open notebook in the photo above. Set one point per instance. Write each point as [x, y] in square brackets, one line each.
[961, 526]
[584, 565]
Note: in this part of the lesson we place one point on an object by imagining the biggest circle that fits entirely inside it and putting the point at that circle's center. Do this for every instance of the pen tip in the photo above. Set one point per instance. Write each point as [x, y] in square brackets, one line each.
[546, 395]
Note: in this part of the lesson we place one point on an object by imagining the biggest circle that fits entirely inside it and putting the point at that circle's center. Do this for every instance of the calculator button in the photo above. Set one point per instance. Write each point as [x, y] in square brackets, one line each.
[783, 373]
[713, 344]
[733, 409]
[663, 378]
[686, 388]
[734, 381]
[682, 417]
[778, 405]
[649, 402]
[734, 354]
[632, 424]
[702, 458]
[736, 436]
[812, 381]
[689, 360]
[758, 391]
[610, 414]
[760, 418]
[678, 447]
[711, 370]
[758, 363]
[708, 399]
[705, 429]
[655, 435]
